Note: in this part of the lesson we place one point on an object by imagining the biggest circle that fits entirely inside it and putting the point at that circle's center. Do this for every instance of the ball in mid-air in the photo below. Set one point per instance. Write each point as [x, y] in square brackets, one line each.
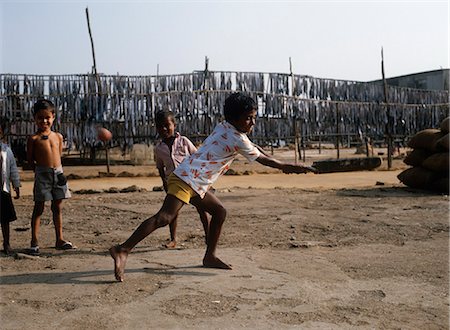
[103, 134]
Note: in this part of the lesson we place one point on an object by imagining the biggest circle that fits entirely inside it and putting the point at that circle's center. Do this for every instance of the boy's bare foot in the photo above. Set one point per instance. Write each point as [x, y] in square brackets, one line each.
[214, 262]
[7, 249]
[171, 244]
[120, 259]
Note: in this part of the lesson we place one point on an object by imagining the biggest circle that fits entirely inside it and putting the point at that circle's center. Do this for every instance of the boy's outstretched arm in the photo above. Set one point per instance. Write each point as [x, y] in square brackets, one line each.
[285, 167]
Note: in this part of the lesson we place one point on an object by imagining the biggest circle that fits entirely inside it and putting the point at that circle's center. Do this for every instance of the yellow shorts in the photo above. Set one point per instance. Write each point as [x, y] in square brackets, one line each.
[179, 189]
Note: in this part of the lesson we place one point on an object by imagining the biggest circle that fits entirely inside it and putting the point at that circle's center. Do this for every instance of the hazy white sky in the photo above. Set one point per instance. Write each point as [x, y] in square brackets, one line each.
[326, 39]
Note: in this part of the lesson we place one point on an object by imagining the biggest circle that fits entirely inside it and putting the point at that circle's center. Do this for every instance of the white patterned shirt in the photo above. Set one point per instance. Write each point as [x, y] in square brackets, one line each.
[215, 156]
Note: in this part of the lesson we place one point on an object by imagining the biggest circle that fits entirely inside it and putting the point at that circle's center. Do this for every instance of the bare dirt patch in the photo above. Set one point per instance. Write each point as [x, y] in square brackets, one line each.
[311, 252]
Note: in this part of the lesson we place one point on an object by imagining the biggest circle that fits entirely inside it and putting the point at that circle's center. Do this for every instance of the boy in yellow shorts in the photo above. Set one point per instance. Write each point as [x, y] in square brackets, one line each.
[170, 152]
[191, 180]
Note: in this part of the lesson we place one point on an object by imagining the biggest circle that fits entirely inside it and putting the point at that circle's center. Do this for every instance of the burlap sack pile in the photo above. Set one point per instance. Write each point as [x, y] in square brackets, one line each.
[429, 160]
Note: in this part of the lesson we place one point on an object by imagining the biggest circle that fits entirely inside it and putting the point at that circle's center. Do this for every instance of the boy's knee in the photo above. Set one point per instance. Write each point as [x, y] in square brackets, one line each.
[220, 212]
[163, 219]
[56, 208]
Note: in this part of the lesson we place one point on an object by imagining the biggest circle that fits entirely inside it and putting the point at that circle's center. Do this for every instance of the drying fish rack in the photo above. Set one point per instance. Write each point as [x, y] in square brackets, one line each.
[291, 108]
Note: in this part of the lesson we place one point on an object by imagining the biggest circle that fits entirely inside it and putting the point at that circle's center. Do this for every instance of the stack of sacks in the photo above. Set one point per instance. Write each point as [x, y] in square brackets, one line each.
[429, 160]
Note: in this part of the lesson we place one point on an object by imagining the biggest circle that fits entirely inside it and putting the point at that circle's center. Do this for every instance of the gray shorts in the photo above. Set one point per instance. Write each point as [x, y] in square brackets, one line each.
[49, 184]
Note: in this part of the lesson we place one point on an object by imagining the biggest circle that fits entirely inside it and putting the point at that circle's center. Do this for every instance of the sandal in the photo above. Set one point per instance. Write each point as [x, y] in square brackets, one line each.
[66, 246]
[33, 251]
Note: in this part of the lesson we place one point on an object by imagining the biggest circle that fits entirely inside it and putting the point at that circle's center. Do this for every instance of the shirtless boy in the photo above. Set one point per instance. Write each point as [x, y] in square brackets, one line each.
[191, 180]
[44, 150]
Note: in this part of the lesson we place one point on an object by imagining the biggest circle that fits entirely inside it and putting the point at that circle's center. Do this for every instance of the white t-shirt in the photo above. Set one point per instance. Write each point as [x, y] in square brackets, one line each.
[214, 157]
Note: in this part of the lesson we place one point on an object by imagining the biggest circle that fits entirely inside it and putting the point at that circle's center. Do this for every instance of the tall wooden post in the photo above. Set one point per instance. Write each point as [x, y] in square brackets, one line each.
[94, 67]
[206, 126]
[388, 128]
[99, 87]
[297, 145]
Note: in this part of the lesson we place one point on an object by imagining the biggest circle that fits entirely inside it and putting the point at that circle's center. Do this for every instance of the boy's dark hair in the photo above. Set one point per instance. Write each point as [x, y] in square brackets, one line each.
[162, 115]
[236, 104]
[43, 104]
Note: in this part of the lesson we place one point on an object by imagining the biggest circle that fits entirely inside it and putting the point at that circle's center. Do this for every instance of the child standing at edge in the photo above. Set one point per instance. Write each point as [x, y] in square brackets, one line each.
[170, 152]
[9, 174]
[190, 181]
[44, 150]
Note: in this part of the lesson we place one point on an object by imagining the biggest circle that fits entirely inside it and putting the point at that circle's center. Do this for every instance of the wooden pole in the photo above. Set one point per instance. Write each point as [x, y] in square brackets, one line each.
[388, 112]
[97, 78]
[206, 128]
[366, 142]
[337, 130]
[94, 68]
[107, 157]
[296, 134]
[320, 144]
[303, 143]
[205, 78]
[292, 76]
[296, 140]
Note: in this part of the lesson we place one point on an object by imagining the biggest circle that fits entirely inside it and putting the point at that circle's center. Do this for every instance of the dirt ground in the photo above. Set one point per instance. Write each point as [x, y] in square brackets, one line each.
[353, 250]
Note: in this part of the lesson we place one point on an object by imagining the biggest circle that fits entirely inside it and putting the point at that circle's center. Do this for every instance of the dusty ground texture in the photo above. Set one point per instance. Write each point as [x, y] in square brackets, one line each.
[329, 256]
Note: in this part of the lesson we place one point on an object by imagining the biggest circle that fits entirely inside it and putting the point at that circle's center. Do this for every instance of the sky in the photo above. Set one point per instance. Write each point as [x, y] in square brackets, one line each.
[324, 39]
